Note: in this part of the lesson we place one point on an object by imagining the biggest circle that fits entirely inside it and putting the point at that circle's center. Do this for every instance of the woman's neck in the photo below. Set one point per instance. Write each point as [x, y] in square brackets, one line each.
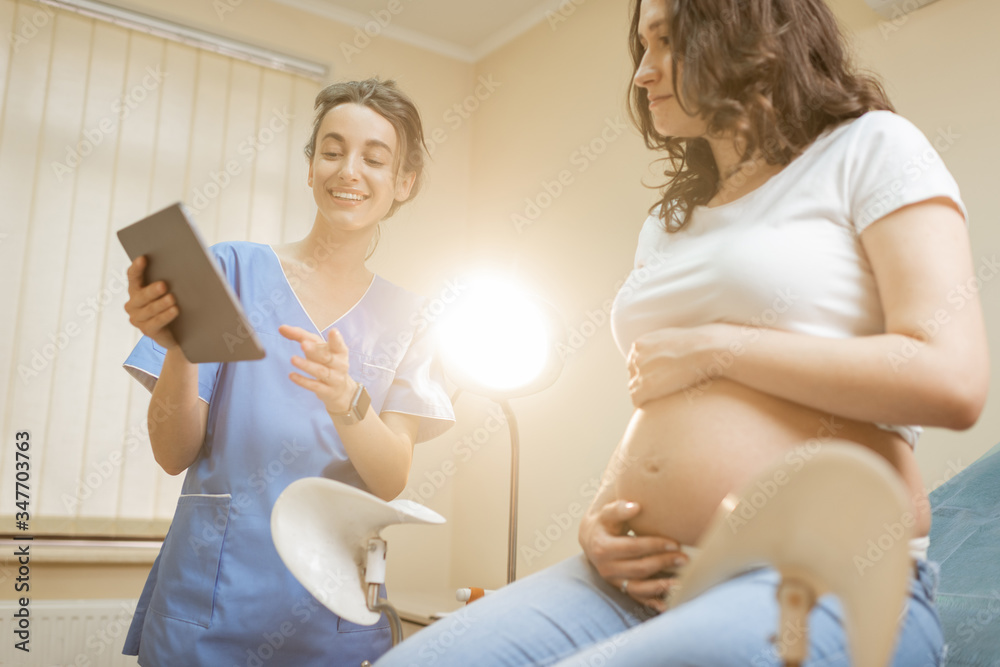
[337, 255]
[733, 182]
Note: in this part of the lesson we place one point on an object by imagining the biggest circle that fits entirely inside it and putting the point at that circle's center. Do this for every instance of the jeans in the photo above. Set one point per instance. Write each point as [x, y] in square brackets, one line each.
[567, 615]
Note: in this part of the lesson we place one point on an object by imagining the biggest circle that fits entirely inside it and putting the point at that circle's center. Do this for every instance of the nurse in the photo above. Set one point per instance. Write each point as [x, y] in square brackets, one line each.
[348, 385]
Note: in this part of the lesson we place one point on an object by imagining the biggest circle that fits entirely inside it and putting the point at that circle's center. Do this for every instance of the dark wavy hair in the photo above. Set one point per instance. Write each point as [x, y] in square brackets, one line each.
[388, 101]
[775, 73]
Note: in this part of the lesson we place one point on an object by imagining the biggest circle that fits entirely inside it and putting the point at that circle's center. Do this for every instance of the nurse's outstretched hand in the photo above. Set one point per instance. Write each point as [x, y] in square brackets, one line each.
[327, 362]
[152, 307]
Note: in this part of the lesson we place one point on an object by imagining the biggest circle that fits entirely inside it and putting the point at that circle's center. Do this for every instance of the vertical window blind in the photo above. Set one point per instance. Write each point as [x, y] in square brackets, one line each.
[99, 126]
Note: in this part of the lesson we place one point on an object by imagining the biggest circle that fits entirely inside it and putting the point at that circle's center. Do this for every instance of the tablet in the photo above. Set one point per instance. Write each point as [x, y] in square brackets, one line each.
[211, 325]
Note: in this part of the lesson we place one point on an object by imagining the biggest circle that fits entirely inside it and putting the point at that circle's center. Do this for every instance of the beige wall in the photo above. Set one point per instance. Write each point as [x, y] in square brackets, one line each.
[561, 87]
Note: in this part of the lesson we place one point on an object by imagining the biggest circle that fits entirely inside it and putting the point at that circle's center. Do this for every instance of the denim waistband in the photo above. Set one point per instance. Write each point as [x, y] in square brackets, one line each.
[928, 574]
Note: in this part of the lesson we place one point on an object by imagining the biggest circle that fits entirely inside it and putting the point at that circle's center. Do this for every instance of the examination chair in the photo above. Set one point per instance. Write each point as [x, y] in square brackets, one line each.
[965, 541]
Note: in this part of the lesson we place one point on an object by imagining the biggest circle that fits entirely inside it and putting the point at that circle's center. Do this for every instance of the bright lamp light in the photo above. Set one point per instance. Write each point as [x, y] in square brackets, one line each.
[498, 340]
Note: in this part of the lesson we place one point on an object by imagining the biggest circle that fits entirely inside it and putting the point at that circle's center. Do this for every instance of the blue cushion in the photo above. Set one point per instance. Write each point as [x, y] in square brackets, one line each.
[965, 540]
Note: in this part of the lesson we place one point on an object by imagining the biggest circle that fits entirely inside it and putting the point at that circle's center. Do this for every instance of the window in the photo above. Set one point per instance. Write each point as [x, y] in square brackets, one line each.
[99, 126]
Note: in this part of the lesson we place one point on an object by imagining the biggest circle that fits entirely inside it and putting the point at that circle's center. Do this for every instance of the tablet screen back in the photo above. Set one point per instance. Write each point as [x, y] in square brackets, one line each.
[211, 325]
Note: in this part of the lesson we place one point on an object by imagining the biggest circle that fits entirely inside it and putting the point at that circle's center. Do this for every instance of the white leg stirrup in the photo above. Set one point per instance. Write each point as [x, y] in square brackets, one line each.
[817, 529]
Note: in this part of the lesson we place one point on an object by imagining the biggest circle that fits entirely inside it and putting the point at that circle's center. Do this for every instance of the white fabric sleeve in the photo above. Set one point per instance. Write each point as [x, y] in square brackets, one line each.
[146, 360]
[418, 388]
[892, 164]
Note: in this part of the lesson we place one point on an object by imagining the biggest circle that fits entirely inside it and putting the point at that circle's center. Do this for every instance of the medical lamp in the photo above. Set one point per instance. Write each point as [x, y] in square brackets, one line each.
[499, 340]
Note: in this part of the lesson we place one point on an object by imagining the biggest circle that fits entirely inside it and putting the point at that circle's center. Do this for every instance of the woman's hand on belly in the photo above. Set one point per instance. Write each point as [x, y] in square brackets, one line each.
[666, 361]
[618, 557]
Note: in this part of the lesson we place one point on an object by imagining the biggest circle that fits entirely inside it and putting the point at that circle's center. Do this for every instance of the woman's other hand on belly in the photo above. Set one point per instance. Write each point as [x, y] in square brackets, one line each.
[667, 361]
[617, 556]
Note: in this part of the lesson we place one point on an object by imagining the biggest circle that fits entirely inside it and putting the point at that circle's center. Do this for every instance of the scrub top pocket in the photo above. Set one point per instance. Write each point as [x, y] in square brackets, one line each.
[343, 625]
[189, 563]
[376, 379]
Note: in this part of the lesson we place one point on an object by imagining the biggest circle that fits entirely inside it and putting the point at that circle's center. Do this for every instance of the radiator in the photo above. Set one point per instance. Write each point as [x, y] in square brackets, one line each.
[65, 633]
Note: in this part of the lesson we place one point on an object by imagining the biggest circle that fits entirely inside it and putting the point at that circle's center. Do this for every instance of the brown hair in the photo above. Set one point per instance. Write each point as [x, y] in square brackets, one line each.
[388, 101]
[775, 73]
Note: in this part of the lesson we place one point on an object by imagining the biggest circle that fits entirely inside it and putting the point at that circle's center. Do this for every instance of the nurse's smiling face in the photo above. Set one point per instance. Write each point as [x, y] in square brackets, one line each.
[353, 172]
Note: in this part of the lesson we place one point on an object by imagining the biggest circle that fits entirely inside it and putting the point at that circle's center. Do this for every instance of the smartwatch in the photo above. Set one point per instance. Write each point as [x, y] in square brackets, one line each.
[358, 409]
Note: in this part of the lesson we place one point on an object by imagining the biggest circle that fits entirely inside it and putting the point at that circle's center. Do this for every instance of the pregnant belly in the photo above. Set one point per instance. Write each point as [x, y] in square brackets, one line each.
[681, 455]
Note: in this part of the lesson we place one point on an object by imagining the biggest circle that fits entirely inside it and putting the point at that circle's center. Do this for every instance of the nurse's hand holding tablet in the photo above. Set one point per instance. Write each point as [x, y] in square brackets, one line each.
[151, 307]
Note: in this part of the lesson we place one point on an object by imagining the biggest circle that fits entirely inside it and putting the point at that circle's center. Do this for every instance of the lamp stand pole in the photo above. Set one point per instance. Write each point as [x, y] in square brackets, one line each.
[512, 522]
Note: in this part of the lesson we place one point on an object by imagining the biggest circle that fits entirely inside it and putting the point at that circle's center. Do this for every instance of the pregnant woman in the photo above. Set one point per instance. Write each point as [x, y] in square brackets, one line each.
[808, 279]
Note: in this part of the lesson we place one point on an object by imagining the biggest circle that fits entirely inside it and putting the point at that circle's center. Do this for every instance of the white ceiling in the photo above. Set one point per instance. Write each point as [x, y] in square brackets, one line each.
[463, 29]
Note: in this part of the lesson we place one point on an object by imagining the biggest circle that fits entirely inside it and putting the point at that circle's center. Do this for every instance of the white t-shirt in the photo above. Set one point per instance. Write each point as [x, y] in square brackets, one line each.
[788, 255]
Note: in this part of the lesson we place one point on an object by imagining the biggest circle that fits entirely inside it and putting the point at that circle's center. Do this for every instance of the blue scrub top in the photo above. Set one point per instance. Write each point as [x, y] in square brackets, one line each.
[218, 593]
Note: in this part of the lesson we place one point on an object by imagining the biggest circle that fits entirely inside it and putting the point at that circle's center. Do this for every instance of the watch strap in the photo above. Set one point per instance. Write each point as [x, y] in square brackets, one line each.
[357, 410]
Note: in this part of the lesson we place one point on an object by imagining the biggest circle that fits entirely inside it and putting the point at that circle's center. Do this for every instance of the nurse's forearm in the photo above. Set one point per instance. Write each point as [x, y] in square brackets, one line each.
[177, 417]
[381, 455]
